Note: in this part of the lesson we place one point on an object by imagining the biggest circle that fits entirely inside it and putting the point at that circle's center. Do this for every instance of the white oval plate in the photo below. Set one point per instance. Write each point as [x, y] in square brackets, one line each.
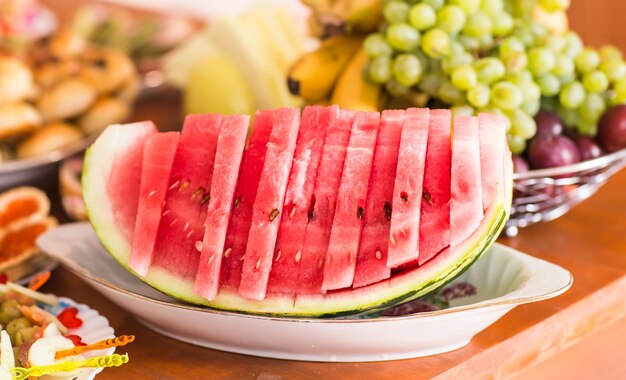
[504, 278]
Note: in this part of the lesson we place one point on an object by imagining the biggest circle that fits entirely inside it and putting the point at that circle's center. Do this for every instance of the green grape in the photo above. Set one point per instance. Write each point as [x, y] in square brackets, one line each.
[614, 69]
[517, 144]
[485, 42]
[549, 104]
[620, 87]
[436, 4]
[396, 89]
[450, 63]
[532, 107]
[573, 44]
[511, 45]
[492, 7]
[595, 81]
[526, 36]
[549, 84]
[478, 25]
[540, 60]
[610, 53]
[592, 108]
[469, 43]
[451, 19]
[489, 69]
[587, 128]
[456, 47]
[502, 24]
[422, 16]
[462, 110]
[402, 37]
[469, 6]
[395, 11]
[449, 94]
[565, 79]
[568, 116]
[563, 66]
[556, 43]
[506, 95]
[515, 63]
[530, 90]
[572, 95]
[464, 77]
[554, 5]
[522, 124]
[431, 82]
[618, 99]
[436, 43]
[375, 45]
[407, 69]
[522, 76]
[479, 95]
[588, 60]
[379, 69]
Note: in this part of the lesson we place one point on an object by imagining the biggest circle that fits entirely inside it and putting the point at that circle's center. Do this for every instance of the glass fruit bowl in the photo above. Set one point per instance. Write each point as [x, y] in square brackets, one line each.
[546, 194]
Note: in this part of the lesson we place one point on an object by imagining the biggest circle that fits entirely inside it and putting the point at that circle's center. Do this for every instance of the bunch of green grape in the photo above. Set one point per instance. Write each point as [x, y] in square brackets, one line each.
[492, 56]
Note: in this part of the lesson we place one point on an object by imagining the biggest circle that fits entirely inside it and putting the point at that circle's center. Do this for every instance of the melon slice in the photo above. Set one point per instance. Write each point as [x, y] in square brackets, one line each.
[492, 162]
[371, 262]
[407, 190]
[311, 271]
[268, 204]
[185, 206]
[345, 233]
[298, 198]
[230, 146]
[466, 199]
[158, 158]
[435, 214]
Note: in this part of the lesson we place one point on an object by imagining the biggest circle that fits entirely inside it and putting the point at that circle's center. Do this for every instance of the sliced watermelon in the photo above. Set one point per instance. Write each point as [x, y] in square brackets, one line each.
[435, 213]
[268, 204]
[230, 145]
[407, 190]
[298, 198]
[371, 262]
[311, 272]
[492, 162]
[185, 207]
[466, 199]
[247, 185]
[158, 158]
[345, 232]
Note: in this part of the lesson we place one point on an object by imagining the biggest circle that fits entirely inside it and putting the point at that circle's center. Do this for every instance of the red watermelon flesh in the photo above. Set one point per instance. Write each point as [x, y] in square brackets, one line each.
[492, 156]
[466, 199]
[183, 215]
[247, 185]
[371, 263]
[129, 153]
[407, 190]
[327, 182]
[298, 198]
[158, 158]
[435, 213]
[345, 232]
[230, 145]
[268, 204]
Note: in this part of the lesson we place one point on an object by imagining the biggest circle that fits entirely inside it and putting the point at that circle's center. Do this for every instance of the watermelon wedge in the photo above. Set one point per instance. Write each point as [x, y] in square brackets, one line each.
[345, 233]
[188, 192]
[492, 162]
[407, 190]
[268, 204]
[230, 145]
[158, 158]
[298, 198]
[435, 213]
[311, 272]
[371, 261]
[466, 199]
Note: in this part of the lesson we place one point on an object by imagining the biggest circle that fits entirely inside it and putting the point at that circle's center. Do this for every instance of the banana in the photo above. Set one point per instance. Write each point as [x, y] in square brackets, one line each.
[314, 74]
[352, 90]
[359, 15]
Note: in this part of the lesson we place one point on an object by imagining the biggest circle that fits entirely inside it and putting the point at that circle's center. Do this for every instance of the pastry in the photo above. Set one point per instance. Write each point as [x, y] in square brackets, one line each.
[16, 80]
[49, 138]
[17, 119]
[66, 100]
[104, 112]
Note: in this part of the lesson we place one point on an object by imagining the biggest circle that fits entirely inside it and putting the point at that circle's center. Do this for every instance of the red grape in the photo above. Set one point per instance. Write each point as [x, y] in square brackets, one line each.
[519, 164]
[548, 123]
[551, 151]
[612, 129]
[588, 148]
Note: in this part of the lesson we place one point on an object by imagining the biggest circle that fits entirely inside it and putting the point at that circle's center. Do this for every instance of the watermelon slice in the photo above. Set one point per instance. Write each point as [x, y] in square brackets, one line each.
[327, 182]
[158, 158]
[298, 198]
[492, 162]
[183, 215]
[230, 146]
[345, 233]
[435, 214]
[407, 190]
[466, 199]
[247, 185]
[268, 204]
[371, 262]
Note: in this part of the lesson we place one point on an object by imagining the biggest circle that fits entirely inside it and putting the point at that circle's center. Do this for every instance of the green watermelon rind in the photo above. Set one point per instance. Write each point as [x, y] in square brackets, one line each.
[399, 288]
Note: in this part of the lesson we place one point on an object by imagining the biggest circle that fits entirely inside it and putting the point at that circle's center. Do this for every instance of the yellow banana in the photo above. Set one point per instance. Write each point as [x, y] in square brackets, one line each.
[352, 90]
[359, 15]
[314, 74]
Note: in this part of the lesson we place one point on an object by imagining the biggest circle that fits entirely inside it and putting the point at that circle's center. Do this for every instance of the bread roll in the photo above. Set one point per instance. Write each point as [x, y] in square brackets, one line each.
[108, 71]
[17, 119]
[66, 100]
[104, 112]
[49, 138]
[16, 80]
